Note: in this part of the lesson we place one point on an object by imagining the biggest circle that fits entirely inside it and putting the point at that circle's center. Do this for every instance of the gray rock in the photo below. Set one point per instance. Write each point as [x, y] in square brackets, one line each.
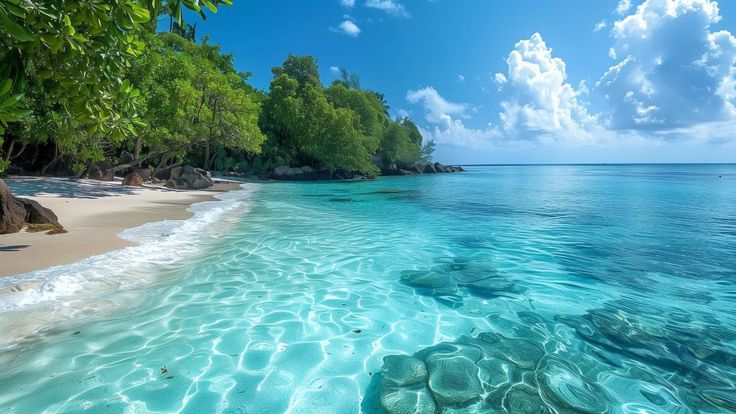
[402, 370]
[523, 399]
[453, 380]
[307, 169]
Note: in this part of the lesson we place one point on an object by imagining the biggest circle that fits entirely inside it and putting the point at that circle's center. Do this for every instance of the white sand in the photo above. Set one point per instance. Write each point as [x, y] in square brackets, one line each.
[93, 217]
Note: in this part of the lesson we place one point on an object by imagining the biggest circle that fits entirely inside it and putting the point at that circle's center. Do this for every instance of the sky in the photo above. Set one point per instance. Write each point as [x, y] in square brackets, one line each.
[508, 81]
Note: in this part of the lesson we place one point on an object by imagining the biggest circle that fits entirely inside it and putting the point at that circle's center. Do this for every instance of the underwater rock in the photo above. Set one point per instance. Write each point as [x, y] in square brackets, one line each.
[522, 399]
[401, 370]
[561, 383]
[453, 380]
[522, 353]
[415, 400]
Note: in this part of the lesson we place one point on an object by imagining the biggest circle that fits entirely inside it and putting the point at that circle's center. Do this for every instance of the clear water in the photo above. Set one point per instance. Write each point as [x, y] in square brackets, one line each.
[285, 297]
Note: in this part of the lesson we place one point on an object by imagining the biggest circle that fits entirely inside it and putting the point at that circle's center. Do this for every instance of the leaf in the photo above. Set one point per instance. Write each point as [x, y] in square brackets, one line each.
[209, 5]
[5, 86]
[16, 30]
[11, 101]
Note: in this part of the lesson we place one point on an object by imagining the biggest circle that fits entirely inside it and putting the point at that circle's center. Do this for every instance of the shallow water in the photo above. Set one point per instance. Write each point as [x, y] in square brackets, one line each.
[601, 289]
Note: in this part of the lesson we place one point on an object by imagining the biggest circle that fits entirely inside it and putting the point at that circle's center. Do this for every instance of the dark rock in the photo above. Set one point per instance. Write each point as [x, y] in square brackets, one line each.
[101, 172]
[188, 178]
[12, 212]
[162, 175]
[35, 213]
[429, 168]
[439, 168]
[145, 173]
[126, 157]
[133, 180]
[17, 212]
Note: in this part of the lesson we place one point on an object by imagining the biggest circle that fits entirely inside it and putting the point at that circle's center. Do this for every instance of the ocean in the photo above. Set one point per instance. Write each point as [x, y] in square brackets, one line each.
[556, 288]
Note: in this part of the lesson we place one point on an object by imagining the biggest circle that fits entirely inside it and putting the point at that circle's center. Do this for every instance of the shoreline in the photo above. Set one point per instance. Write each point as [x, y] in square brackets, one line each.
[94, 213]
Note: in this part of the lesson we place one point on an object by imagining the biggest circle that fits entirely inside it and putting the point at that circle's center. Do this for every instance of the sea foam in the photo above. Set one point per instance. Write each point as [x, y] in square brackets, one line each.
[33, 302]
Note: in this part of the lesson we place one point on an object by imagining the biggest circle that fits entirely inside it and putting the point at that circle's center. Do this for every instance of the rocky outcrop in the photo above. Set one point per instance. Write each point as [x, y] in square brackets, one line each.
[420, 168]
[133, 180]
[188, 178]
[16, 213]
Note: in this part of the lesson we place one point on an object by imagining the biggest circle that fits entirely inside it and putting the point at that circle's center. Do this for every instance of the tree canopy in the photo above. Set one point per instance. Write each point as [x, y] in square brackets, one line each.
[82, 82]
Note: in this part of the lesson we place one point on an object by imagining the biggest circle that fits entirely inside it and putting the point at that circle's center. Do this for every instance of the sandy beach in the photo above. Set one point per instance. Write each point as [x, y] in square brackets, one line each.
[93, 213]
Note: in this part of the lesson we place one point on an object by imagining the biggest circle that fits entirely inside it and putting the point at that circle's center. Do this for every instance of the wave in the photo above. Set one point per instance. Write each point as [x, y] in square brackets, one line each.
[34, 302]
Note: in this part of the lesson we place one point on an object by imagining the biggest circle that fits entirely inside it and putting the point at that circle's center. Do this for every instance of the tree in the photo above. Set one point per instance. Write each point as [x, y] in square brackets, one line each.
[79, 51]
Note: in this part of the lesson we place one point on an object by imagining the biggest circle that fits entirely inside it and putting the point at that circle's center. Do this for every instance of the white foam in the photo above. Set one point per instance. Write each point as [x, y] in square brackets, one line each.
[30, 302]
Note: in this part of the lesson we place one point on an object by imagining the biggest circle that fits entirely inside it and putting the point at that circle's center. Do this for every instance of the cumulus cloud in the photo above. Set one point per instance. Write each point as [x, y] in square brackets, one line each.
[600, 26]
[334, 70]
[349, 28]
[445, 125]
[389, 6]
[623, 6]
[461, 78]
[538, 101]
[347, 3]
[673, 72]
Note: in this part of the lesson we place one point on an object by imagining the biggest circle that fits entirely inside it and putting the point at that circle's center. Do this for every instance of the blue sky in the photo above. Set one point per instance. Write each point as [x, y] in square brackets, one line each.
[519, 81]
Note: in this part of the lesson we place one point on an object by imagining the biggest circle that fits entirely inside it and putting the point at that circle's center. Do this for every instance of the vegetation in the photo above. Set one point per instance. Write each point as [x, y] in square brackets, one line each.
[86, 82]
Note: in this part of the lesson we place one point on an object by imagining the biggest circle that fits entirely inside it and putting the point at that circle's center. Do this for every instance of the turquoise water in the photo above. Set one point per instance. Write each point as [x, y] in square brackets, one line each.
[599, 289]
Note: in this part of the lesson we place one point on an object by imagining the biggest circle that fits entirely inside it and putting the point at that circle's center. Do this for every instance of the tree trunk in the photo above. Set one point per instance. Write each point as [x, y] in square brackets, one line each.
[206, 165]
[137, 148]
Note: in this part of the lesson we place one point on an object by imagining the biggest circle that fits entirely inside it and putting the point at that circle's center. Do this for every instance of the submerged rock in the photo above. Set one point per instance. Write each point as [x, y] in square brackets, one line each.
[415, 400]
[454, 379]
[401, 370]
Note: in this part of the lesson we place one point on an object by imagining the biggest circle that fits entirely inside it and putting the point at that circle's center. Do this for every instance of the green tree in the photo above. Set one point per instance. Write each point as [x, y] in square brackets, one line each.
[79, 51]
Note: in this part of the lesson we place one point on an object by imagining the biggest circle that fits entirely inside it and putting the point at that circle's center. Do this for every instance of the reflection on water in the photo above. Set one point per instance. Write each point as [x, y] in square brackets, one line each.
[561, 289]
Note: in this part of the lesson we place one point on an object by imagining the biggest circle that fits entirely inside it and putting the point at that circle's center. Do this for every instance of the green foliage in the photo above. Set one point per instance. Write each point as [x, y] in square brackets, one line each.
[194, 98]
[80, 52]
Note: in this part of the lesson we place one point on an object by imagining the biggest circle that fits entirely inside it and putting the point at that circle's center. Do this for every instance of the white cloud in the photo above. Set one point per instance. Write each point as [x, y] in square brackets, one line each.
[461, 78]
[389, 6]
[600, 26]
[674, 72]
[623, 6]
[347, 3]
[334, 70]
[445, 127]
[349, 28]
[538, 102]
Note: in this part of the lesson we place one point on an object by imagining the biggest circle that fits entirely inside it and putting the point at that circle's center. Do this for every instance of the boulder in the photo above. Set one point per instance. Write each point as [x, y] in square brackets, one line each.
[101, 172]
[35, 213]
[126, 157]
[12, 213]
[439, 168]
[133, 179]
[145, 173]
[429, 168]
[15, 213]
[188, 178]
